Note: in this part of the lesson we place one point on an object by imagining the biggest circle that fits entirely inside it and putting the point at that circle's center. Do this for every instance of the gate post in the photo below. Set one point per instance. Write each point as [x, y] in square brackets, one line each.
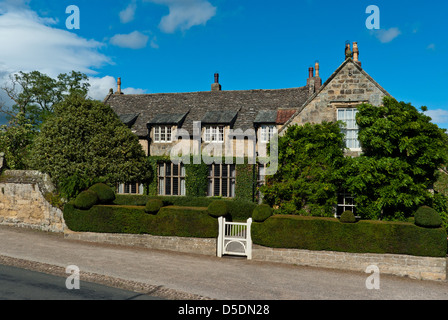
[249, 239]
[220, 242]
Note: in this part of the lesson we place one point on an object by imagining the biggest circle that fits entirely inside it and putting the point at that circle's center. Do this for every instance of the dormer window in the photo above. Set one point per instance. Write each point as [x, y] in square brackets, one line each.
[163, 134]
[267, 132]
[214, 134]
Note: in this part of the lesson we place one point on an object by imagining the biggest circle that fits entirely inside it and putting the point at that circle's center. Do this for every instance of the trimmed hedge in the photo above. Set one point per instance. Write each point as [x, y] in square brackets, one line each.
[85, 200]
[311, 233]
[105, 193]
[261, 212]
[427, 217]
[218, 208]
[153, 206]
[170, 221]
[238, 210]
[347, 217]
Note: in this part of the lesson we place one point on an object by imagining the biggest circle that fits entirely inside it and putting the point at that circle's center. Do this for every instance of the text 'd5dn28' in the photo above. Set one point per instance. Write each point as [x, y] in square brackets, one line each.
[225, 309]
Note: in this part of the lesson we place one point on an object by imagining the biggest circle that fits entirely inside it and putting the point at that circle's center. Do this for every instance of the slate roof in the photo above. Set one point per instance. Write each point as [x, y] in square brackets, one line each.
[206, 105]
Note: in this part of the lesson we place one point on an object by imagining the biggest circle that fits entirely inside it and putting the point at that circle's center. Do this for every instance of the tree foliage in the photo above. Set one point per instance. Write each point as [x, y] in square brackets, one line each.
[85, 138]
[35, 94]
[402, 151]
[308, 157]
[15, 141]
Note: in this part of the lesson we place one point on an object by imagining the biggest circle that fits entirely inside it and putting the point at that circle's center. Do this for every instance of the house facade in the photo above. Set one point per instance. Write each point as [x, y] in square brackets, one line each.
[236, 124]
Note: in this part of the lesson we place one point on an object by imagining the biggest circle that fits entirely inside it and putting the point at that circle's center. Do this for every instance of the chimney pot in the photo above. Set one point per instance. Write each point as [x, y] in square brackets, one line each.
[216, 77]
[317, 68]
[119, 86]
[355, 52]
[216, 86]
[310, 72]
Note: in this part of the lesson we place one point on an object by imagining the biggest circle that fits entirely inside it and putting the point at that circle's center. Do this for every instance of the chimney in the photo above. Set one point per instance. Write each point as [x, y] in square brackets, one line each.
[216, 86]
[318, 80]
[310, 81]
[348, 51]
[119, 86]
[310, 72]
[356, 53]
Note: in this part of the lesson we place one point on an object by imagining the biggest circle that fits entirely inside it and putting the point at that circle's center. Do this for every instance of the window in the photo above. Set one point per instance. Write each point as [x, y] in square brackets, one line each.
[171, 179]
[130, 188]
[345, 203]
[221, 180]
[162, 134]
[348, 116]
[267, 132]
[214, 134]
[261, 179]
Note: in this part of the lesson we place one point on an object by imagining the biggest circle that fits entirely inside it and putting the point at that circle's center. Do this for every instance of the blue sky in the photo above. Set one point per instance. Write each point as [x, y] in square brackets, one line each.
[177, 45]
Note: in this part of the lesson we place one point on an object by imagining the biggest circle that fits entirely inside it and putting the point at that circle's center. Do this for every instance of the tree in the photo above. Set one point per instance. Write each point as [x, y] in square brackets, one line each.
[15, 141]
[85, 138]
[308, 157]
[35, 94]
[402, 152]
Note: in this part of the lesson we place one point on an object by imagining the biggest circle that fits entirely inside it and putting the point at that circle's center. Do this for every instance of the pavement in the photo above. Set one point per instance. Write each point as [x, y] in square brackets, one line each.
[180, 276]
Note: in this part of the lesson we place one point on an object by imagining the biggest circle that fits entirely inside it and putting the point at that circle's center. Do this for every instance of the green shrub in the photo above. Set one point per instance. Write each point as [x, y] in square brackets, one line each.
[86, 199]
[365, 236]
[427, 217]
[153, 206]
[170, 221]
[218, 208]
[261, 213]
[105, 193]
[347, 217]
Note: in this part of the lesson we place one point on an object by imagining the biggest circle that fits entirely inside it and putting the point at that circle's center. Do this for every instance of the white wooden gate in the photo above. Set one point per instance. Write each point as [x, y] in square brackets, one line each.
[234, 238]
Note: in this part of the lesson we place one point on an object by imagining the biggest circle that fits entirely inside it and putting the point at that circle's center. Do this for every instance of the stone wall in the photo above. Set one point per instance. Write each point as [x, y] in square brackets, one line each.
[422, 268]
[23, 203]
[204, 246]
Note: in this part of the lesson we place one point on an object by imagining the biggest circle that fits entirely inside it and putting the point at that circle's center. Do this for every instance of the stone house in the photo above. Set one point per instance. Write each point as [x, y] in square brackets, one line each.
[216, 118]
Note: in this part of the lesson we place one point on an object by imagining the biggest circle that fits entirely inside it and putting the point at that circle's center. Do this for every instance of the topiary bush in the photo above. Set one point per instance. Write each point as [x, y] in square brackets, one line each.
[347, 217]
[153, 206]
[427, 217]
[86, 200]
[218, 208]
[105, 193]
[261, 212]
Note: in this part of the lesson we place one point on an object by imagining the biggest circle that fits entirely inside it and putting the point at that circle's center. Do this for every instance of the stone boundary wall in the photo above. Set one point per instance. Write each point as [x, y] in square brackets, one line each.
[422, 268]
[204, 246]
[23, 203]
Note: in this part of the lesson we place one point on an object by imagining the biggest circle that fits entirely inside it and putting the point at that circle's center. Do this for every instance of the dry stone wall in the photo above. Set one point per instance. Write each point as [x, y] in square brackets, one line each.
[23, 203]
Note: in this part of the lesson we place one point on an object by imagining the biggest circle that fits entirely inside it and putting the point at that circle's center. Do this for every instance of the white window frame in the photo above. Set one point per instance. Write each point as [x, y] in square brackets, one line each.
[163, 134]
[267, 132]
[167, 179]
[345, 204]
[226, 183]
[214, 134]
[351, 129]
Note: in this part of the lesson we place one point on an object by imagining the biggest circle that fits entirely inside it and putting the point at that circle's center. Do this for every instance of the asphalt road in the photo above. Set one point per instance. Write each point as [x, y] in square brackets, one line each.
[22, 284]
[174, 275]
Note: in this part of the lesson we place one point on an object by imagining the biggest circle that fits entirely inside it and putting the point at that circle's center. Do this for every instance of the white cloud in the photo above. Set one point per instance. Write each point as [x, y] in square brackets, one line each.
[127, 15]
[133, 40]
[184, 14]
[438, 115]
[387, 35]
[29, 43]
[99, 87]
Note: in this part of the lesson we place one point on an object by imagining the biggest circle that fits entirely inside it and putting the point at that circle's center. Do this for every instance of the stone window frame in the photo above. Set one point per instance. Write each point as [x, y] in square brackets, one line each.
[130, 188]
[226, 182]
[172, 176]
